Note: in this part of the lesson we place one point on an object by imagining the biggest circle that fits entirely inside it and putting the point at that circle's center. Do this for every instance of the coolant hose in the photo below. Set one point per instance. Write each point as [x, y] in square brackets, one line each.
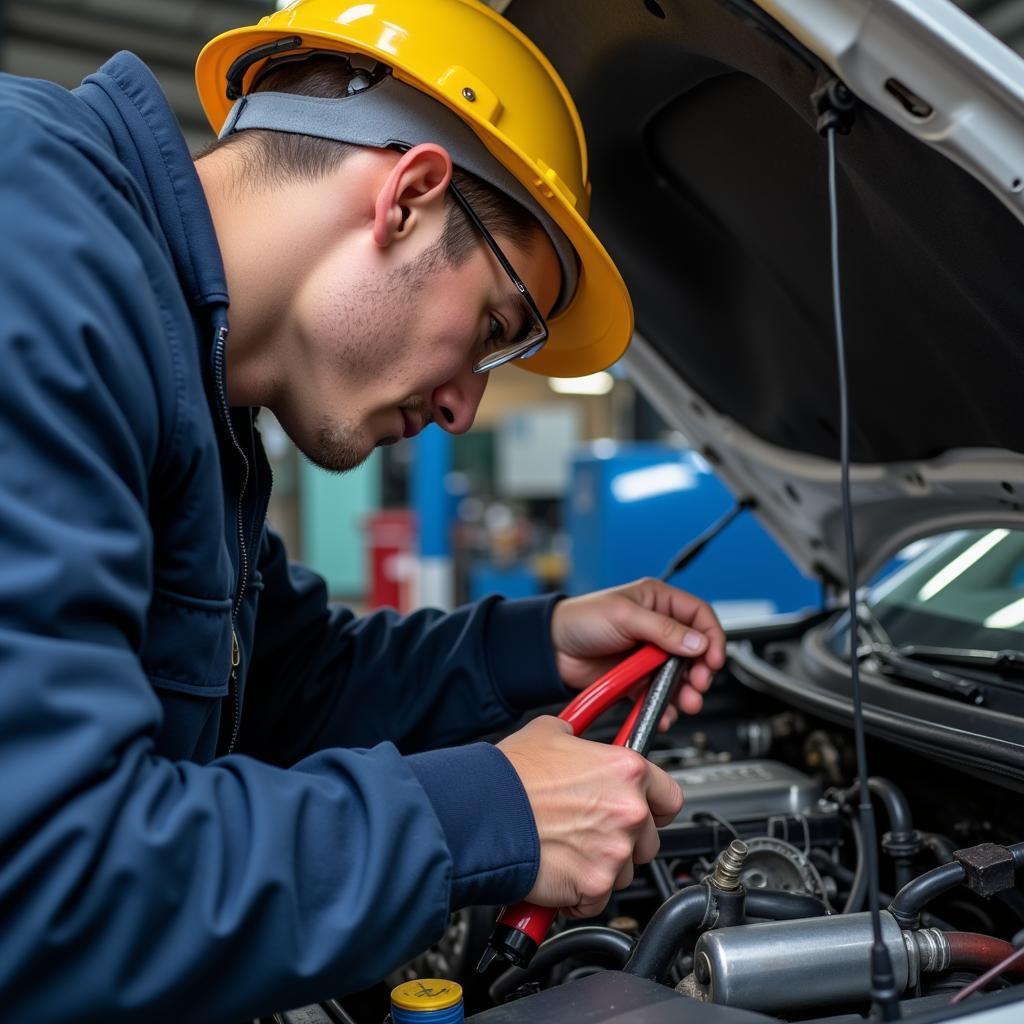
[653, 953]
[943, 849]
[859, 885]
[901, 825]
[688, 909]
[907, 904]
[779, 905]
[607, 943]
[974, 952]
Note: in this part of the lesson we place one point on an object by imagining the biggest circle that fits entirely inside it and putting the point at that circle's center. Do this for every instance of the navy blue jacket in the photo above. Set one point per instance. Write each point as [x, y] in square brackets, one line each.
[221, 795]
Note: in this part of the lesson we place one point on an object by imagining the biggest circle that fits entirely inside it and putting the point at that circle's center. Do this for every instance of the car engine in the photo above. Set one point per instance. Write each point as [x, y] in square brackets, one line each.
[756, 906]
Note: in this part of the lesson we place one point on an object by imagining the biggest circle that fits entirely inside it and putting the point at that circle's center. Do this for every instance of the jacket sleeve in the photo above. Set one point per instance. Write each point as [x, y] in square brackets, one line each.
[321, 676]
[131, 887]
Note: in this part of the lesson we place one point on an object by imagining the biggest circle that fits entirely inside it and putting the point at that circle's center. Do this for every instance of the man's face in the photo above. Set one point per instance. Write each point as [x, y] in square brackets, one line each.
[393, 349]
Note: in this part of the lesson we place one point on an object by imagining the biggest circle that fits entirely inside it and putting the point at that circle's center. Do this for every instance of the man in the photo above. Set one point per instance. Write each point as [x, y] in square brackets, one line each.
[222, 795]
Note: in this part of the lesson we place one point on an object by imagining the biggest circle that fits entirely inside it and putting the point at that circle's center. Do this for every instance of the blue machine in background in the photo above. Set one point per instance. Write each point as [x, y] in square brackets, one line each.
[633, 506]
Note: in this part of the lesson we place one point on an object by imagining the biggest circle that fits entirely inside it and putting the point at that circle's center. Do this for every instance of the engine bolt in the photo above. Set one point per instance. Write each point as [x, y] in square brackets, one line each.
[729, 865]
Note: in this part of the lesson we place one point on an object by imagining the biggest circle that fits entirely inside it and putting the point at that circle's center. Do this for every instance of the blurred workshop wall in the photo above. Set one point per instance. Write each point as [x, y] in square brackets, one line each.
[65, 40]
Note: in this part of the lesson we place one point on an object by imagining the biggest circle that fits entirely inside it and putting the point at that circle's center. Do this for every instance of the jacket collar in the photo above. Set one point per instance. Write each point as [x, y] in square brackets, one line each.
[127, 97]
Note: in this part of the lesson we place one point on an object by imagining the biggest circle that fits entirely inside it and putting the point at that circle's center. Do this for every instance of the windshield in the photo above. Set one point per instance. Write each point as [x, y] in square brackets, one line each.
[965, 591]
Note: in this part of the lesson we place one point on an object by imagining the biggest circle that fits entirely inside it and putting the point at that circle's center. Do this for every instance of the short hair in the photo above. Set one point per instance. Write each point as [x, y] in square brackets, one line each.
[273, 157]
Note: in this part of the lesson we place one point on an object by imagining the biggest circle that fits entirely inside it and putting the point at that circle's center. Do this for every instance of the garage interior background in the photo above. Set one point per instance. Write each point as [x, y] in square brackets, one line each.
[527, 503]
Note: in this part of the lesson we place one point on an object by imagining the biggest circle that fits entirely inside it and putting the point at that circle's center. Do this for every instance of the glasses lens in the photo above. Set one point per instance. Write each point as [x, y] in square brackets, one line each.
[528, 339]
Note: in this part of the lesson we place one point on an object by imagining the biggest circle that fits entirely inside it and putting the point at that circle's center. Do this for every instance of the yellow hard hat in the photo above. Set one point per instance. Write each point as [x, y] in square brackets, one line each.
[465, 56]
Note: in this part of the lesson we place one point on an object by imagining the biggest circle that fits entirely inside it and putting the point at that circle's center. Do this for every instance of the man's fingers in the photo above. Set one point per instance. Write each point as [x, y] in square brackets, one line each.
[663, 631]
[694, 613]
[624, 879]
[690, 701]
[664, 797]
[700, 676]
[649, 842]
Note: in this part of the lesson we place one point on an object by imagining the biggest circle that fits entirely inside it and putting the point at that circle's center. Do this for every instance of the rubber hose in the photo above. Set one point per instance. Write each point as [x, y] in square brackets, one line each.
[859, 885]
[779, 905]
[940, 846]
[908, 903]
[653, 954]
[971, 951]
[901, 822]
[590, 940]
[943, 848]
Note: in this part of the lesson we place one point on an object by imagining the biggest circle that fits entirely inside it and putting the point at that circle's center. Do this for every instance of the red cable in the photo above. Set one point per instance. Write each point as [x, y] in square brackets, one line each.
[622, 736]
[611, 687]
[581, 712]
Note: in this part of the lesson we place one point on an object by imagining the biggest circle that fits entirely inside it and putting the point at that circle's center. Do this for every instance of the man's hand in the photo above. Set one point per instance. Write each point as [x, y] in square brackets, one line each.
[597, 809]
[591, 633]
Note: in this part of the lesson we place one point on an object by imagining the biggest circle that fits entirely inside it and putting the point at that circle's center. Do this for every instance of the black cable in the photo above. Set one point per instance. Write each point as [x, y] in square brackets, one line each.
[663, 880]
[883, 981]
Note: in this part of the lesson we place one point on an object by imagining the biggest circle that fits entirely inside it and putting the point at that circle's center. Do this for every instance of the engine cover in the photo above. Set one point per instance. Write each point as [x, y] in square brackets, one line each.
[745, 789]
[612, 997]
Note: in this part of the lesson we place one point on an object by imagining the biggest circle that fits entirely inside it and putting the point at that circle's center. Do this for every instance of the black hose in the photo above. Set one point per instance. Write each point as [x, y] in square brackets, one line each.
[908, 903]
[590, 940]
[653, 954]
[902, 843]
[896, 806]
[940, 846]
[859, 884]
[779, 905]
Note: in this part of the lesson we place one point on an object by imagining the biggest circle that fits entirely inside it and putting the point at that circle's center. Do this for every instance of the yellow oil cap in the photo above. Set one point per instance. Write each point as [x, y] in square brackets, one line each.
[424, 995]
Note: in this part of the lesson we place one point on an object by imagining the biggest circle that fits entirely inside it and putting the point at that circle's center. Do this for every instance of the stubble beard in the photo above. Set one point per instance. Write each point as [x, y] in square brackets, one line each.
[337, 447]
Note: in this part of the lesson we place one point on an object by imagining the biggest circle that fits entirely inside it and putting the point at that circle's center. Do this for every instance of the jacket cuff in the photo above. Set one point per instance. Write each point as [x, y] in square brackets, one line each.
[487, 822]
[520, 654]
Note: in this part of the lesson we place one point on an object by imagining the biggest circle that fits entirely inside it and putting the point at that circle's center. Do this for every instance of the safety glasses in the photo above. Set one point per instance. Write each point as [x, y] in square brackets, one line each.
[527, 333]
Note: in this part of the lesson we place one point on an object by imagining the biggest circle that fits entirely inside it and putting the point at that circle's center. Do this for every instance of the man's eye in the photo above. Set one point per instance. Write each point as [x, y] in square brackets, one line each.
[496, 331]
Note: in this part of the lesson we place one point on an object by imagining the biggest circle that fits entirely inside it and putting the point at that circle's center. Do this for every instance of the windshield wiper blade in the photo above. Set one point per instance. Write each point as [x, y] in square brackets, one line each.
[898, 665]
[1006, 662]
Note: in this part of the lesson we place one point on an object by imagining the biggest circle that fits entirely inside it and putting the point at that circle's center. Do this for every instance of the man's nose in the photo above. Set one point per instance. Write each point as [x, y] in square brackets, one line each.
[456, 401]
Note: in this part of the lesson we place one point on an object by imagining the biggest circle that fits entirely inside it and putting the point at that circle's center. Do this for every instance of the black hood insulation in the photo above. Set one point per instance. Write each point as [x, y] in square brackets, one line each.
[710, 193]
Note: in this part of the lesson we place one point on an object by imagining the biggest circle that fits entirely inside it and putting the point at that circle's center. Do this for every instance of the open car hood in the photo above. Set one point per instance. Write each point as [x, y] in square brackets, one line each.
[709, 183]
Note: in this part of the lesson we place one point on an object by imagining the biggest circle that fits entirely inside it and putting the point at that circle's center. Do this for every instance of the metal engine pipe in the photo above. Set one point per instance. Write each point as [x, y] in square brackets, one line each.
[787, 965]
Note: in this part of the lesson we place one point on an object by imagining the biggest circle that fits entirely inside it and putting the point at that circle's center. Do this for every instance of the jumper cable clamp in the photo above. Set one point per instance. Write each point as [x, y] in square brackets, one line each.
[521, 928]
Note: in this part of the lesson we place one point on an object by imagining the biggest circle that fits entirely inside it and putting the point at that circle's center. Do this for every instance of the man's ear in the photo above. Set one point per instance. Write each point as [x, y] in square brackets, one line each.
[419, 179]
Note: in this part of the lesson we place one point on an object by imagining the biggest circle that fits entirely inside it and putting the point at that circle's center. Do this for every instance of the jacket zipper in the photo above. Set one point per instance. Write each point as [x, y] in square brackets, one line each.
[236, 656]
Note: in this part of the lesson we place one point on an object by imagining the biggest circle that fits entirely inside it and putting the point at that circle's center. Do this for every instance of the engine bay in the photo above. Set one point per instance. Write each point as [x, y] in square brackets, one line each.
[757, 902]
